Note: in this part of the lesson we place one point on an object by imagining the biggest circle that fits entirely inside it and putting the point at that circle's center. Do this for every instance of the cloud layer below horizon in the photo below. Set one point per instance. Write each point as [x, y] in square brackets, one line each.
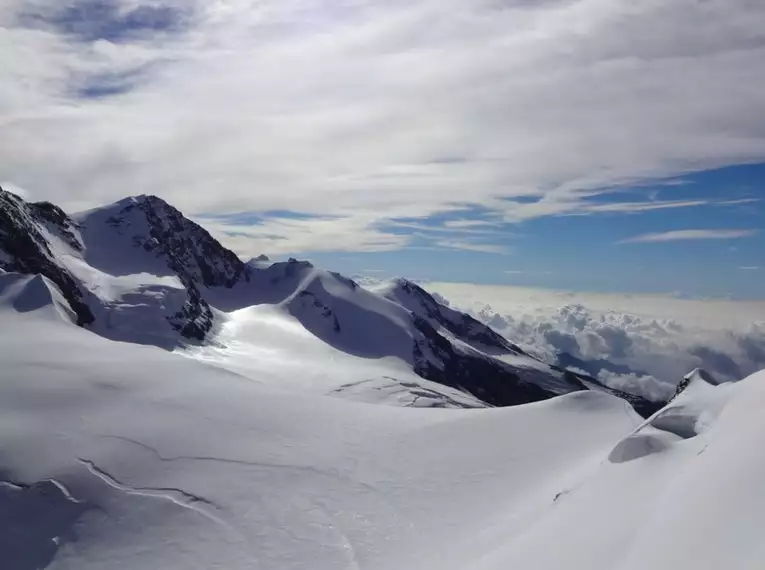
[642, 344]
[372, 111]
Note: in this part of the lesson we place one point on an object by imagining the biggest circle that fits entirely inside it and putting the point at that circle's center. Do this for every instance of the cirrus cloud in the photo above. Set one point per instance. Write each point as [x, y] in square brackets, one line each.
[398, 108]
[681, 235]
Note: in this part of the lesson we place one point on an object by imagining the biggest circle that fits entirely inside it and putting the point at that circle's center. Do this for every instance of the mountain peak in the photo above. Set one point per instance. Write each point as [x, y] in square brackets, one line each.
[148, 223]
[140, 199]
[696, 377]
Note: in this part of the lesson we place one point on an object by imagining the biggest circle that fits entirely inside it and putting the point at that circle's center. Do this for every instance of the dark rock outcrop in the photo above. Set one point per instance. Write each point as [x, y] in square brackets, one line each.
[188, 249]
[486, 378]
[461, 325]
[197, 258]
[25, 249]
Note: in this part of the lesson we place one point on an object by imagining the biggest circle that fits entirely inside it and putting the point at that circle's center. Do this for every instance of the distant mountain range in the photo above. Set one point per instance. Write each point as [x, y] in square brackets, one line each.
[139, 271]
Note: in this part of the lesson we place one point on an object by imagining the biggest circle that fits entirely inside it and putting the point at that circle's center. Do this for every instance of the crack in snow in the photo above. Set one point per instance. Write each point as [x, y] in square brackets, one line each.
[176, 496]
[232, 461]
[398, 387]
[55, 482]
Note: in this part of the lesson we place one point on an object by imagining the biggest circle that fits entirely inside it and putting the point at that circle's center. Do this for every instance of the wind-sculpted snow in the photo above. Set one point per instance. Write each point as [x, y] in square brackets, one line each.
[33, 294]
[697, 405]
[127, 457]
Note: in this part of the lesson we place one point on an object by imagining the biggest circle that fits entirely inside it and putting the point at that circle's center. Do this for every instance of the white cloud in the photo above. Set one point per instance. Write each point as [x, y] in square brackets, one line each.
[398, 108]
[632, 383]
[749, 268]
[641, 342]
[634, 207]
[468, 245]
[468, 224]
[477, 228]
[10, 187]
[280, 235]
[680, 235]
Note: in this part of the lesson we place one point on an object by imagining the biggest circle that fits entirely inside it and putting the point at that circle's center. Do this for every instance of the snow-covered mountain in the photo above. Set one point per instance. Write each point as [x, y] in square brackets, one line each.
[123, 456]
[139, 271]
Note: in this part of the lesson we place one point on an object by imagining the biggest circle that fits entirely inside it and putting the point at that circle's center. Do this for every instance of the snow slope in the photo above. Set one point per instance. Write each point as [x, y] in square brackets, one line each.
[266, 344]
[121, 456]
[33, 294]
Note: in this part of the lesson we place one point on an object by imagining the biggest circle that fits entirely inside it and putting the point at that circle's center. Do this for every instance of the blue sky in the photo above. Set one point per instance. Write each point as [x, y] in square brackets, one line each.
[573, 144]
[593, 252]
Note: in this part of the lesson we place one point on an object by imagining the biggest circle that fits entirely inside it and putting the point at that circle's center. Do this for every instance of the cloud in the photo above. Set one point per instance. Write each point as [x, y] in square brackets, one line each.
[632, 383]
[580, 207]
[10, 187]
[749, 268]
[468, 224]
[398, 108]
[478, 227]
[527, 272]
[468, 245]
[285, 235]
[739, 201]
[680, 235]
[641, 343]
[636, 207]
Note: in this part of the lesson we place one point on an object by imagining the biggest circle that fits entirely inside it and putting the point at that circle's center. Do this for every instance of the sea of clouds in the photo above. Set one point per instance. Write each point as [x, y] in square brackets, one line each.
[639, 343]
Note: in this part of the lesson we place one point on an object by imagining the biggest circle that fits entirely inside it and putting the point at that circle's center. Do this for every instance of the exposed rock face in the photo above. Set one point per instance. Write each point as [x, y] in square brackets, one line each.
[195, 319]
[188, 249]
[461, 325]
[25, 247]
[28, 234]
[485, 378]
[197, 258]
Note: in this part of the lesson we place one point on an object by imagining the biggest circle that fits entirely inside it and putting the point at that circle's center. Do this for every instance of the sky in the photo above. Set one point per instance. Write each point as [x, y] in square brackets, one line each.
[591, 145]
